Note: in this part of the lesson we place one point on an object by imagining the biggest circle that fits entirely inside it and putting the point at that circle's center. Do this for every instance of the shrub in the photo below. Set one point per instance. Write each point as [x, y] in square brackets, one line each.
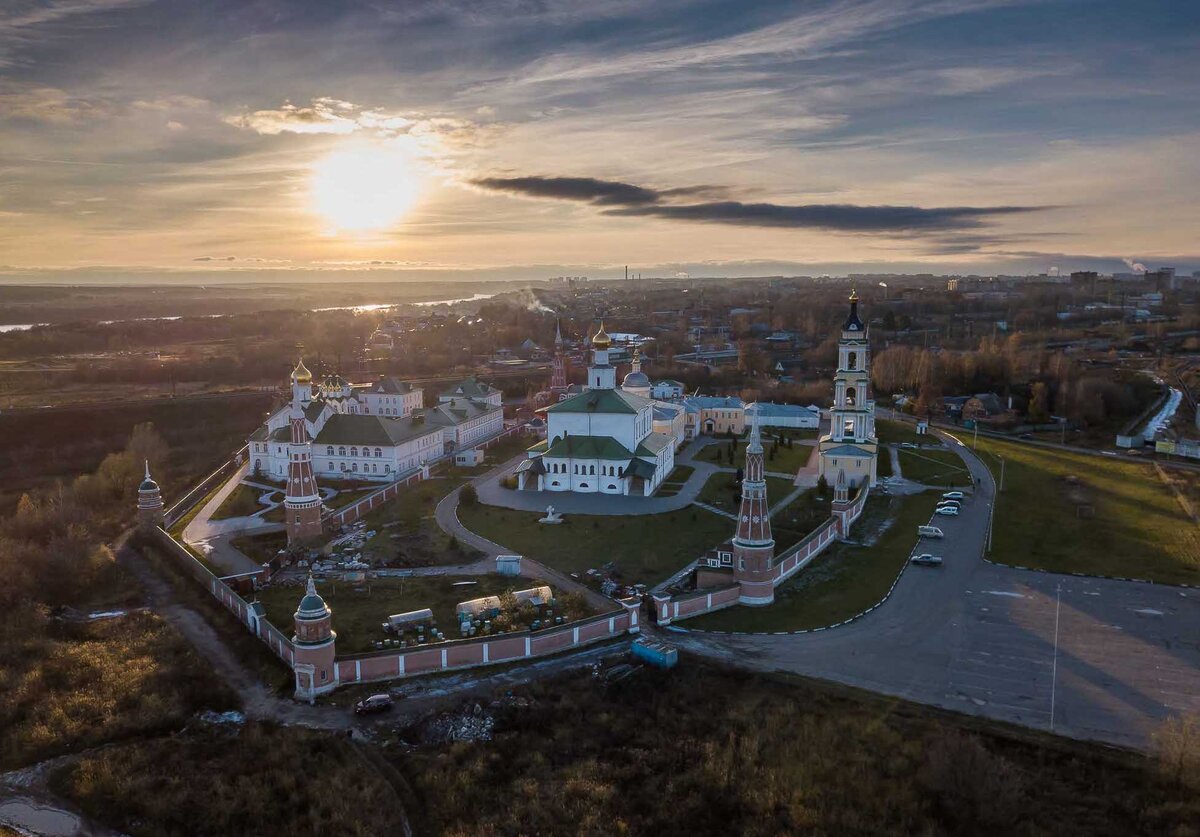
[468, 496]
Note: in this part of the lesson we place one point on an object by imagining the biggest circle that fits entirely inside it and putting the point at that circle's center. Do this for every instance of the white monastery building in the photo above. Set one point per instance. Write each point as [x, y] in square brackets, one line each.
[378, 431]
[603, 439]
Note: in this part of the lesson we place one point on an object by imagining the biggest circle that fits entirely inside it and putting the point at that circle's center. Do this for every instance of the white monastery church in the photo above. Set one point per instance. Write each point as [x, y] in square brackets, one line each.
[378, 431]
[601, 440]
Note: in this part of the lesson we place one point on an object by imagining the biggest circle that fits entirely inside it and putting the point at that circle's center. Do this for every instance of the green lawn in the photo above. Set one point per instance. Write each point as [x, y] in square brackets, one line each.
[415, 540]
[645, 548]
[934, 467]
[844, 580]
[241, 502]
[777, 457]
[346, 496]
[883, 462]
[795, 520]
[359, 608]
[260, 548]
[674, 481]
[722, 491]
[898, 432]
[1072, 512]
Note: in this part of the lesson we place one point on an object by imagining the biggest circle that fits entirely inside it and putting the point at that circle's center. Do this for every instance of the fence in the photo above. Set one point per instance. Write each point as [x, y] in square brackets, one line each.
[669, 609]
[357, 509]
[247, 614]
[490, 650]
[186, 503]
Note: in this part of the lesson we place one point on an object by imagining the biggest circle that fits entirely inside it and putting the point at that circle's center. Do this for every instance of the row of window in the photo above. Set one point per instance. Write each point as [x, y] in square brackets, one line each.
[584, 470]
[341, 451]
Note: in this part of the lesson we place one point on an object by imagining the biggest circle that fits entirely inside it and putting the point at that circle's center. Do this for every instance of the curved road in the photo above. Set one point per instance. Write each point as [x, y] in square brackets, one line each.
[1090, 658]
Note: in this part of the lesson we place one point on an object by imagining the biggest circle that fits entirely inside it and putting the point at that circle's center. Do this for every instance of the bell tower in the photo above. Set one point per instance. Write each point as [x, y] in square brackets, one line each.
[601, 374]
[851, 446]
[754, 545]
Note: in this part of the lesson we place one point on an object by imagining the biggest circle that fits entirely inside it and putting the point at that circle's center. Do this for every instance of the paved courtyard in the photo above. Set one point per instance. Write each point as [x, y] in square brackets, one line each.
[1091, 658]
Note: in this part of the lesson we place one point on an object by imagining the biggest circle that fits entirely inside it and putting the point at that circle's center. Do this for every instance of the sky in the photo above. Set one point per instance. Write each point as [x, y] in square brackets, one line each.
[533, 138]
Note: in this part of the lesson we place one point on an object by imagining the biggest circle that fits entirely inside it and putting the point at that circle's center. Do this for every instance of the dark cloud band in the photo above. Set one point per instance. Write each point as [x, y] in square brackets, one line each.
[627, 199]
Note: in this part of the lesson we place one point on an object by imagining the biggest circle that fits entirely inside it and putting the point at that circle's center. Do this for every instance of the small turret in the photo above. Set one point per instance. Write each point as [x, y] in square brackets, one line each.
[150, 502]
[314, 644]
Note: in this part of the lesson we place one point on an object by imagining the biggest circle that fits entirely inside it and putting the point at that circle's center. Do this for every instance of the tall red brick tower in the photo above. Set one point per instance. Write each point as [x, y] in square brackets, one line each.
[753, 545]
[558, 373]
[314, 646]
[302, 501]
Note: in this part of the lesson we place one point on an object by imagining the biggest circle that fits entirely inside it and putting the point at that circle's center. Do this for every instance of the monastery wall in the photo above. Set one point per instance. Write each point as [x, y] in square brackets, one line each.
[668, 609]
[279, 644]
[480, 651]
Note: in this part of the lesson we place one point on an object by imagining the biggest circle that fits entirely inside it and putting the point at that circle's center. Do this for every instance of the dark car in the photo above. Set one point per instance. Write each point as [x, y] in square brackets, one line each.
[374, 703]
[1026, 436]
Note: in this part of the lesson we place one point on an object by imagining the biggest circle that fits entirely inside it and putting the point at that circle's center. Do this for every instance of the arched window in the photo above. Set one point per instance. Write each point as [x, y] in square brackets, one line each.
[387, 468]
[329, 450]
[379, 451]
[341, 450]
[354, 467]
[593, 470]
[852, 360]
[850, 391]
[354, 451]
[343, 464]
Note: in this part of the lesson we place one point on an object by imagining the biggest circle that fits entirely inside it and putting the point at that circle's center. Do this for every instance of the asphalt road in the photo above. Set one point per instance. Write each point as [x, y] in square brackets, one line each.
[1088, 658]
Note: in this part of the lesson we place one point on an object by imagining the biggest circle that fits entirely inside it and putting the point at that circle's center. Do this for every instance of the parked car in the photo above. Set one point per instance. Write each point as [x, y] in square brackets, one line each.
[908, 446]
[947, 511]
[955, 503]
[372, 704]
[1025, 436]
[929, 532]
[954, 495]
[927, 560]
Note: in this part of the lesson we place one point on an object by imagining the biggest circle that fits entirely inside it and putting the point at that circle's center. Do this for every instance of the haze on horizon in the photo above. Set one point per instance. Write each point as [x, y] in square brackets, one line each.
[490, 139]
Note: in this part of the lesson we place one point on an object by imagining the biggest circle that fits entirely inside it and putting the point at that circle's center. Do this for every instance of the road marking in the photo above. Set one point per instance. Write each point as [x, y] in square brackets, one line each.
[1149, 611]
[1005, 593]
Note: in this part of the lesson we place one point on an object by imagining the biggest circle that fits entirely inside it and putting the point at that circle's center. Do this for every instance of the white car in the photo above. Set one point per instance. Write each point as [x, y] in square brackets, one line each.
[947, 511]
[908, 446]
[927, 560]
[954, 495]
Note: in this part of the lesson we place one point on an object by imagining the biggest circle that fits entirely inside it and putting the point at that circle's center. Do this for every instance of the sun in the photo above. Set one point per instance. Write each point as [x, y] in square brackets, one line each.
[365, 188]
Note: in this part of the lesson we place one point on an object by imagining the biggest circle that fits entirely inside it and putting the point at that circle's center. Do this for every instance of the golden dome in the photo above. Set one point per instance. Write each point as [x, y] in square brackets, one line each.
[601, 340]
[300, 374]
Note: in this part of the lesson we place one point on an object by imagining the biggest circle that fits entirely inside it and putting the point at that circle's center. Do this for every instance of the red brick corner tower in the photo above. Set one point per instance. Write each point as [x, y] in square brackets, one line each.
[314, 646]
[558, 371]
[302, 501]
[753, 545]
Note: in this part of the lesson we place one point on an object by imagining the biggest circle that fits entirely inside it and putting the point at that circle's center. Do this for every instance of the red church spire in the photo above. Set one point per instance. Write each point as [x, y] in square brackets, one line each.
[753, 545]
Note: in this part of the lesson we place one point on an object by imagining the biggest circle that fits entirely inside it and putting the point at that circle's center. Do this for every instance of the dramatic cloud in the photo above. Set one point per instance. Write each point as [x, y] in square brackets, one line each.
[334, 116]
[46, 104]
[627, 199]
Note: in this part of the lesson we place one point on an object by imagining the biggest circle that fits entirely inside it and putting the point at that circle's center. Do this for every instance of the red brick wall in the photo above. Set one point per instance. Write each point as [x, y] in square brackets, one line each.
[483, 650]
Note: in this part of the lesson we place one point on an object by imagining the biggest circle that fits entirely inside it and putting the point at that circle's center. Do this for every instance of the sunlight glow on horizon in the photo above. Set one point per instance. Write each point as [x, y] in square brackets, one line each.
[365, 188]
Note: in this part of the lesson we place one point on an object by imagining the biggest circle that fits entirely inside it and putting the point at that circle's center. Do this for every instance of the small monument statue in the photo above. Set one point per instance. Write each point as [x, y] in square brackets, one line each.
[551, 516]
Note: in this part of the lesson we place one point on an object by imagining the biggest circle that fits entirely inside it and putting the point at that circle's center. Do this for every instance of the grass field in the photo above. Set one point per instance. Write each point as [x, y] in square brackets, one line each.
[794, 521]
[704, 751]
[899, 432]
[210, 781]
[359, 608]
[645, 548]
[722, 491]
[241, 502]
[785, 460]
[674, 481]
[82, 685]
[844, 580]
[260, 548]
[1073, 512]
[415, 540]
[942, 468]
